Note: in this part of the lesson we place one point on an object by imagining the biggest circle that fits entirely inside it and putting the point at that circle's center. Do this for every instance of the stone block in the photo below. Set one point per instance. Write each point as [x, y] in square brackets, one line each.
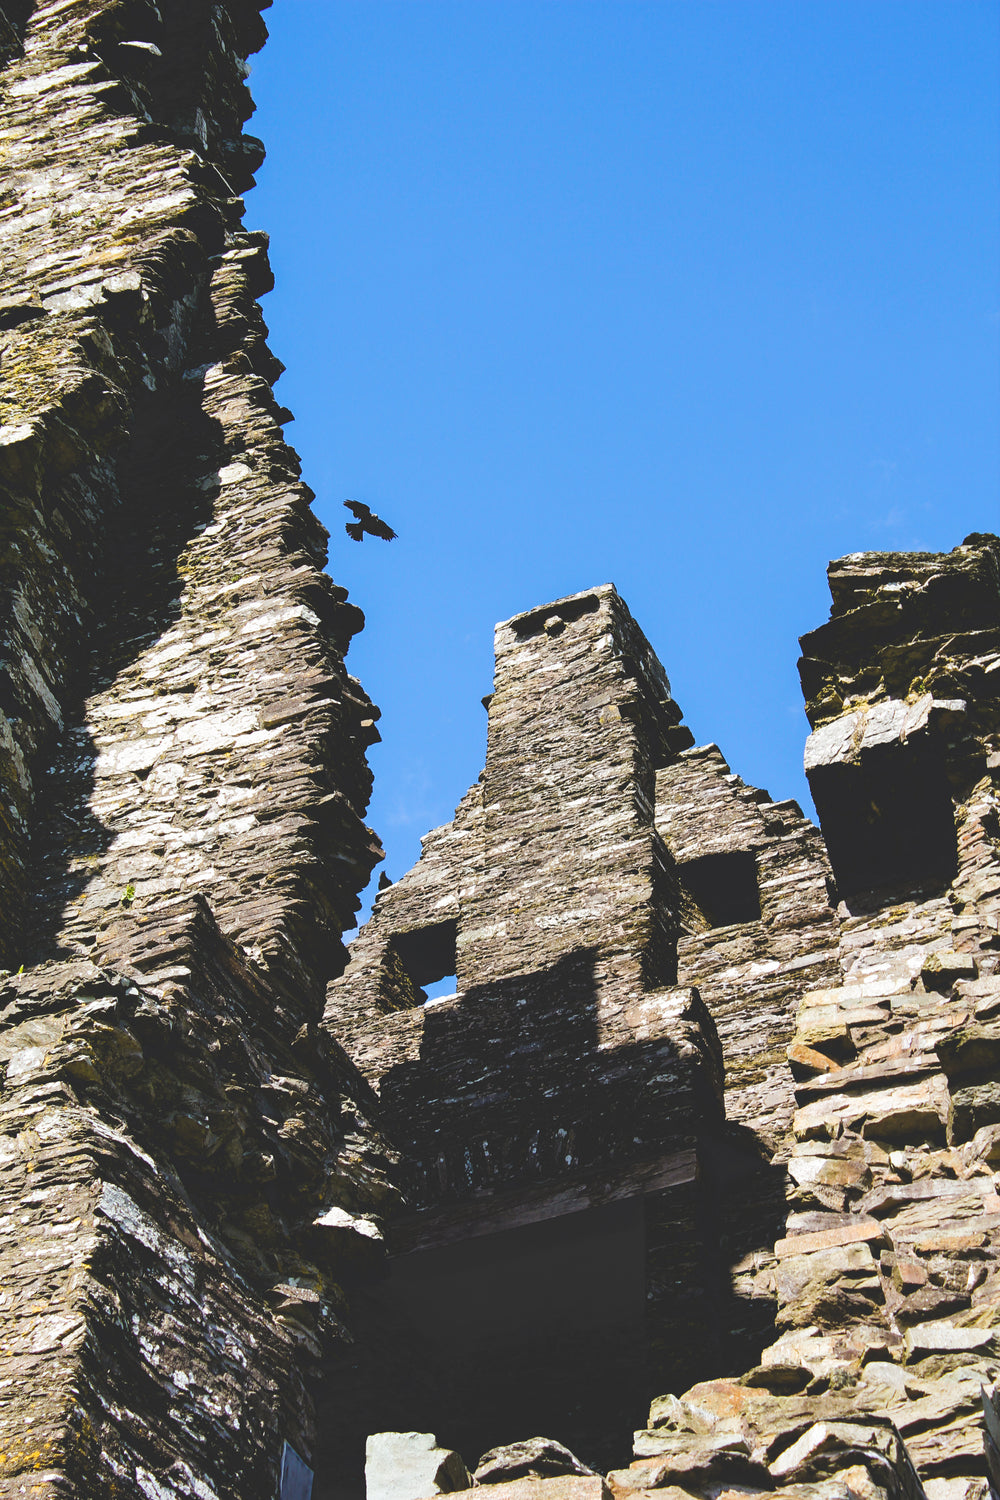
[355, 1239]
[826, 1029]
[806, 1061]
[829, 1450]
[646, 1477]
[945, 1337]
[888, 1198]
[908, 1275]
[910, 1112]
[560, 1487]
[692, 1461]
[796, 1272]
[879, 724]
[970, 1050]
[962, 1488]
[411, 1466]
[956, 1241]
[986, 1145]
[827, 1171]
[928, 1302]
[826, 1239]
[533, 1458]
[945, 967]
[971, 1109]
[673, 1415]
[816, 1439]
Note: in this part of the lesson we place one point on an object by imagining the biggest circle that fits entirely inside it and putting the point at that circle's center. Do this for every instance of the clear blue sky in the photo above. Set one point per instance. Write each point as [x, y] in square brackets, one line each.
[687, 295]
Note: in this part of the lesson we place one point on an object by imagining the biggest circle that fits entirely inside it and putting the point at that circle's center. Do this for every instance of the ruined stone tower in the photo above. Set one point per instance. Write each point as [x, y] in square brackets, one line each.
[574, 1081]
[836, 1231]
[712, 1116]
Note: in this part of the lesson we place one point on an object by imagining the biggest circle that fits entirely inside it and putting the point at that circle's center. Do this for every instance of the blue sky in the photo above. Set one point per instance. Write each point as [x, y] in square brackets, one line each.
[687, 295]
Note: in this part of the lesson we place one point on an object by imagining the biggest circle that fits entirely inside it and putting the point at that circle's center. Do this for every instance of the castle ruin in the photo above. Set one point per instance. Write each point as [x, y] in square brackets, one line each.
[694, 1171]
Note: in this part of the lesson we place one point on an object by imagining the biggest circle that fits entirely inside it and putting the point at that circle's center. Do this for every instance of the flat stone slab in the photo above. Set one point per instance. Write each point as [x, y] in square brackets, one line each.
[828, 1239]
[559, 1487]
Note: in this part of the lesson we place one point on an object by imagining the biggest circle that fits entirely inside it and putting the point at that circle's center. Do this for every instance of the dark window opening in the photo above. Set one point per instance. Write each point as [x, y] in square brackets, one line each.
[723, 886]
[428, 954]
[888, 820]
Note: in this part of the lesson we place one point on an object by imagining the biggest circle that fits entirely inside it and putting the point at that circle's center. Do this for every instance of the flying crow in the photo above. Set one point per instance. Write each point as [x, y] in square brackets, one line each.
[366, 522]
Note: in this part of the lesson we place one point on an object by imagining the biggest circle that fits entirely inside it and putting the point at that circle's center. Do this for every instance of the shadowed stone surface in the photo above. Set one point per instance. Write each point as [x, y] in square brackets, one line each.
[183, 787]
[599, 859]
[886, 1277]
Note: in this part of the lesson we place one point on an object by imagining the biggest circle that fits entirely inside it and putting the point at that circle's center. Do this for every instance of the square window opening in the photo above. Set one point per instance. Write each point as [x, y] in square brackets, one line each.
[429, 956]
[723, 886]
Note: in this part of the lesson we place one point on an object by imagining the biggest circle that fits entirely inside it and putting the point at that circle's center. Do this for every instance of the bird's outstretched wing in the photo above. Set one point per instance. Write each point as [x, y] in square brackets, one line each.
[355, 529]
[379, 528]
[357, 509]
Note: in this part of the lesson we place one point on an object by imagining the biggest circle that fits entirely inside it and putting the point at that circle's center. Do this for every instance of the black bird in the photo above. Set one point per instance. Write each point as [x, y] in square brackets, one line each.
[383, 881]
[366, 521]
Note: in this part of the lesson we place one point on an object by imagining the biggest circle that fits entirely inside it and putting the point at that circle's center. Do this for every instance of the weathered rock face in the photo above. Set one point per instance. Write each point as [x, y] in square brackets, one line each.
[411, 1466]
[175, 585]
[887, 1277]
[187, 1161]
[854, 1181]
[557, 1096]
[901, 690]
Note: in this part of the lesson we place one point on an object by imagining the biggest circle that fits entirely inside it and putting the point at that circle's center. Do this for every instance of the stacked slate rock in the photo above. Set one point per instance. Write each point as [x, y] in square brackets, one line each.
[187, 1165]
[887, 1277]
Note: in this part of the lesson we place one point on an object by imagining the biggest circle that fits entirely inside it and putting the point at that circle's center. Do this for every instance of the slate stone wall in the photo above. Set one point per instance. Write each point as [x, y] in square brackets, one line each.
[566, 1046]
[188, 1164]
[849, 1202]
[886, 1277]
[598, 856]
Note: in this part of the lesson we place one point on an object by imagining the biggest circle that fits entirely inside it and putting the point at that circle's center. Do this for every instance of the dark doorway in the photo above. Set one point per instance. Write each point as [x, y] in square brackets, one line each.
[539, 1329]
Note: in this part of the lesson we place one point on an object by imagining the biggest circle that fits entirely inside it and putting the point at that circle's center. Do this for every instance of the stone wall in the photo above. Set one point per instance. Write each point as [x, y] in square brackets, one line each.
[598, 856]
[555, 902]
[886, 1277]
[850, 1198]
[188, 1163]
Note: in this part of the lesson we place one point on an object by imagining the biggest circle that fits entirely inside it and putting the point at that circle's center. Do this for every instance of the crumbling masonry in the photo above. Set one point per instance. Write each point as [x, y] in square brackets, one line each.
[712, 1116]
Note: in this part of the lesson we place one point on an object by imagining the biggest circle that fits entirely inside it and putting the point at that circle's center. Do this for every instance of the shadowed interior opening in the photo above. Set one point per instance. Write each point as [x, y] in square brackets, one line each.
[888, 820]
[724, 886]
[538, 1328]
[428, 954]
